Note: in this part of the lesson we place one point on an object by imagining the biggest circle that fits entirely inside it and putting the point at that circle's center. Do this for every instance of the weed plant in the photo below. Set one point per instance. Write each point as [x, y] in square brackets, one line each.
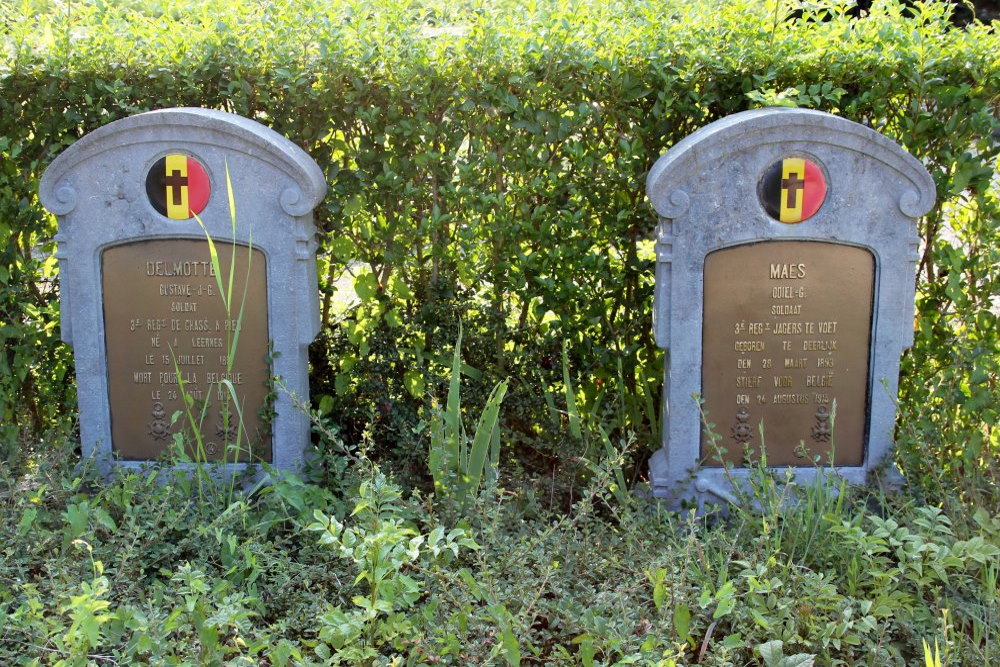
[458, 463]
[237, 443]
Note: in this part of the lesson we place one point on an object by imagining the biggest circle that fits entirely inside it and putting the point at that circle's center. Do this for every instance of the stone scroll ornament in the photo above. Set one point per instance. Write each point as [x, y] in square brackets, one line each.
[138, 202]
[786, 253]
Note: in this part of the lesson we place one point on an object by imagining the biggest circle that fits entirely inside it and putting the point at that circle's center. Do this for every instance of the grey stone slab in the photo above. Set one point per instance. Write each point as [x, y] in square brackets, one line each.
[706, 192]
[97, 189]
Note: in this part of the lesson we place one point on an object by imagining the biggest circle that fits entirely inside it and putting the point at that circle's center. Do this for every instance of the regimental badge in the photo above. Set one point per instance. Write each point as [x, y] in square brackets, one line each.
[178, 186]
[793, 189]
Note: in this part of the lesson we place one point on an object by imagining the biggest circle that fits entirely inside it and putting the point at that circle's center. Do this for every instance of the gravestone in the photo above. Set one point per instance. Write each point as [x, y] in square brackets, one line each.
[154, 315]
[786, 256]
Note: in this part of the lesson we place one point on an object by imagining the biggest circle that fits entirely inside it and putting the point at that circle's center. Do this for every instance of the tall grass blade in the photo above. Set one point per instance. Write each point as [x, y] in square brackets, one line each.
[620, 489]
[235, 402]
[652, 410]
[452, 413]
[574, 415]
[213, 254]
[437, 461]
[550, 402]
[492, 472]
[226, 416]
[234, 344]
[232, 223]
[932, 659]
[486, 431]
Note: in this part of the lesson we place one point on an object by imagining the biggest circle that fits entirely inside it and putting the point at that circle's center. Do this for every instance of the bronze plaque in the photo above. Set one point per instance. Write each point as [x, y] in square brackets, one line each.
[787, 332]
[167, 332]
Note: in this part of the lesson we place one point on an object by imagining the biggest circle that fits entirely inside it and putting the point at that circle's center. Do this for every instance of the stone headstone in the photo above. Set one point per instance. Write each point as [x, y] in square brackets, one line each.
[786, 256]
[149, 313]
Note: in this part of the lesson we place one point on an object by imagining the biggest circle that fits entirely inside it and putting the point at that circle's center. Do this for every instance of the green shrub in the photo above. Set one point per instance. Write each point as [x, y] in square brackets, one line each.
[486, 164]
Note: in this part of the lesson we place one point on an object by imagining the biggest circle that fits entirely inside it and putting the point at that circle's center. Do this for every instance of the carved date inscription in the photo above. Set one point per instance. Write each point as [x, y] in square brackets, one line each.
[787, 331]
[168, 333]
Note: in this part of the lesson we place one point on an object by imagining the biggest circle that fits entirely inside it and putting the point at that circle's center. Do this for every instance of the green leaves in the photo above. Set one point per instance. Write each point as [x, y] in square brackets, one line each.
[724, 600]
[87, 612]
[414, 383]
[366, 286]
[682, 621]
[385, 551]
[772, 654]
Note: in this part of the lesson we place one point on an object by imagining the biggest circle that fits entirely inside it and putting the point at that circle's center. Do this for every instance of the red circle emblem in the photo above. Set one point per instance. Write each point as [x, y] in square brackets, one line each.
[793, 189]
[178, 186]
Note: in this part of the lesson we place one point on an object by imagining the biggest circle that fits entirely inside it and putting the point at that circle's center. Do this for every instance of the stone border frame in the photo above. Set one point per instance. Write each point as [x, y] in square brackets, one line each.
[697, 219]
[276, 186]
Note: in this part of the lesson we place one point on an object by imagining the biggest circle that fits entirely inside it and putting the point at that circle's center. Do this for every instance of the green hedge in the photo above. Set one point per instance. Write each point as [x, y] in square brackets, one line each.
[486, 162]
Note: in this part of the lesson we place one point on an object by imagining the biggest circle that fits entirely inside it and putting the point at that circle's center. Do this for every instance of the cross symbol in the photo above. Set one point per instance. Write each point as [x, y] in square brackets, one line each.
[175, 182]
[793, 184]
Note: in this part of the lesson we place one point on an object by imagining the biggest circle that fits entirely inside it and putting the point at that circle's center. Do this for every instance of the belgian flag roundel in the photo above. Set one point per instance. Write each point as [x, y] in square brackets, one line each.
[792, 189]
[178, 187]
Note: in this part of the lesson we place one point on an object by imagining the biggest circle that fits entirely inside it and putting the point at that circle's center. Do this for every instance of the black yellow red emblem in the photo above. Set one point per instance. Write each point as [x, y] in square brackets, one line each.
[178, 186]
[793, 189]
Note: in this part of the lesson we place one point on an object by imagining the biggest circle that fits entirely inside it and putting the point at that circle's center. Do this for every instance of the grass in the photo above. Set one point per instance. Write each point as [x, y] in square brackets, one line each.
[134, 570]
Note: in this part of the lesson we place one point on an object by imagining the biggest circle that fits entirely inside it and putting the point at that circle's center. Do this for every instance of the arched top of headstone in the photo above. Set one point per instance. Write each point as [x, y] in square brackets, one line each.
[741, 132]
[186, 125]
